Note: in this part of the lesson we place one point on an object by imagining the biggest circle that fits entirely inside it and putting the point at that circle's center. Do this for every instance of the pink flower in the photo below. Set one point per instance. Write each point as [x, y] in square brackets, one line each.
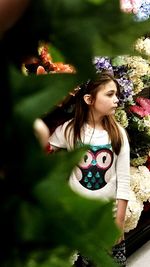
[144, 103]
[126, 6]
[136, 5]
[142, 108]
[130, 6]
[138, 110]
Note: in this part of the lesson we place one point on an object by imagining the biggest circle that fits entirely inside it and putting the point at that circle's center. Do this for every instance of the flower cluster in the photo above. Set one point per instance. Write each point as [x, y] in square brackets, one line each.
[121, 75]
[121, 117]
[48, 66]
[138, 70]
[143, 12]
[140, 182]
[103, 63]
[130, 6]
[133, 212]
[142, 45]
[43, 63]
[139, 130]
[134, 115]
[139, 193]
[142, 108]
[133, 75]
[140, 8]
[131, 72]
[126, 90]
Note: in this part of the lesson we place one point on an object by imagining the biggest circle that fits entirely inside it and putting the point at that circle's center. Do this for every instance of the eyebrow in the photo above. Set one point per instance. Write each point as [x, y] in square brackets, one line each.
[112, 91]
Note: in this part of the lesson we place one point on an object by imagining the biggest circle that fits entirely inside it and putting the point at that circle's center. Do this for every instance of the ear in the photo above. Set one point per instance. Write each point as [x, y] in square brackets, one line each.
[88, 99]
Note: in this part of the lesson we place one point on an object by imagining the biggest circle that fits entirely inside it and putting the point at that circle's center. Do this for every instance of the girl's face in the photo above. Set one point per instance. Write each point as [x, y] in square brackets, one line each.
[106, 100]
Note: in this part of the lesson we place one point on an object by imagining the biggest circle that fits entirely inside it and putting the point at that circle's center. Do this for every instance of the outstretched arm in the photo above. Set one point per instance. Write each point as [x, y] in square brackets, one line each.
[41, 132]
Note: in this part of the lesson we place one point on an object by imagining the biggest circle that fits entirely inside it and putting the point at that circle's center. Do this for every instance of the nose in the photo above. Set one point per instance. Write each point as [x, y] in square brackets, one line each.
[116, 100]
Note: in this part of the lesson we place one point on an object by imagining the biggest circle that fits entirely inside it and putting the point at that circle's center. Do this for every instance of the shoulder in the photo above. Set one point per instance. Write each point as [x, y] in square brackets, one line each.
[66, 125]
[63, 126]
[59, 137]
[64, 132]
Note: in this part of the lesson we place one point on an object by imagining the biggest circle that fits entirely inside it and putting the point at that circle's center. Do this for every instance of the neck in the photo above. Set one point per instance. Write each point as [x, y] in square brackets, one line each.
[95, 121]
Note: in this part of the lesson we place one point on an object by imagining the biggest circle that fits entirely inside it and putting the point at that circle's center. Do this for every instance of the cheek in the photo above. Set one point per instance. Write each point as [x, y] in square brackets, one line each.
[102, 104]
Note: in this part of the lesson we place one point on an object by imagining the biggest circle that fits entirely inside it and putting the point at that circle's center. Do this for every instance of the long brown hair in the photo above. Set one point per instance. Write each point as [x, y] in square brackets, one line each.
[81, 112]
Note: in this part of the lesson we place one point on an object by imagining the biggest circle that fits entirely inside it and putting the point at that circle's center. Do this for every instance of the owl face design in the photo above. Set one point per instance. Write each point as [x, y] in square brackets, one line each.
[94, 166]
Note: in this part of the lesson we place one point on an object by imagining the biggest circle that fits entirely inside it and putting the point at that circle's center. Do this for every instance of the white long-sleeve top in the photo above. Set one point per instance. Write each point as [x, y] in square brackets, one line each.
[101, 174]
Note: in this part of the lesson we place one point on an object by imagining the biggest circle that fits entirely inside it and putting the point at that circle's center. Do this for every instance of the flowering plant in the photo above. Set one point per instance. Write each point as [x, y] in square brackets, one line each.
[139, 193]
[140, 8]
[130, 6]
[142, 45]
[139, 130]
[132, 74]
[133, 212]
[143, 12]
[44, 64]
[134, 115]
[121, 75]
[137, 70]
[140, 182]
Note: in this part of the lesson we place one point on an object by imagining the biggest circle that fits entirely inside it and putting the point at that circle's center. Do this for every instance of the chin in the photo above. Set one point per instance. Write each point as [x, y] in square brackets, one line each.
[112, 112]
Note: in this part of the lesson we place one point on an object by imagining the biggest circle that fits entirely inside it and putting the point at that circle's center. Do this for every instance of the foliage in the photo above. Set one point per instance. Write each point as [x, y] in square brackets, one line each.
[38, 210]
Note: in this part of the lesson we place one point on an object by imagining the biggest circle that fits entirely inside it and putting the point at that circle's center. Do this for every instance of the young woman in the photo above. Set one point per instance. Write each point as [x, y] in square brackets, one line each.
[103, 173]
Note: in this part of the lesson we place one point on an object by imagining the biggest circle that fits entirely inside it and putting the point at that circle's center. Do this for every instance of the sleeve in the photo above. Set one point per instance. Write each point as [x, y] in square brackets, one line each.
[58, 138]
[123, 169]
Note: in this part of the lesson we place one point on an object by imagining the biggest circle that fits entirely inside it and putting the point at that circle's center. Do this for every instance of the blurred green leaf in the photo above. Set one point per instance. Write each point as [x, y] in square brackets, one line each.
[42, 220]
[51, 93]
[96, 2]
[56, 54]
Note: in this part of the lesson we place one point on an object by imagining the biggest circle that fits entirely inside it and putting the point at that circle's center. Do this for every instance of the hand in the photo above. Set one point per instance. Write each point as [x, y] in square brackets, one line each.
[41, 132]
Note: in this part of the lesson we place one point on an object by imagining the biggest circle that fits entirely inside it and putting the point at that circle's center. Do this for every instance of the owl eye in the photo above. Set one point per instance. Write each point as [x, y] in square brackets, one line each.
[87, 160]
[104, 159]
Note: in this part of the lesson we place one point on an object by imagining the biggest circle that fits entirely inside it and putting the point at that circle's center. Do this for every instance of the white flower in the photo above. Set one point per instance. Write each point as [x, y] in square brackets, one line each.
[143, 46]
[140, 182]
[133, 212]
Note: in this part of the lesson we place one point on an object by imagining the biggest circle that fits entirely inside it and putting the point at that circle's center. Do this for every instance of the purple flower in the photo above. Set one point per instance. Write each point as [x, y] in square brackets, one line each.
[126, 90]
[102, 63]
[120, 71]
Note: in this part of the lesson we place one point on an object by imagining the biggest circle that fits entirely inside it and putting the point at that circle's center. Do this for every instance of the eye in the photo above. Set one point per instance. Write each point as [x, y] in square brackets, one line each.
[87, 159]
[110, 94]
[104, 159]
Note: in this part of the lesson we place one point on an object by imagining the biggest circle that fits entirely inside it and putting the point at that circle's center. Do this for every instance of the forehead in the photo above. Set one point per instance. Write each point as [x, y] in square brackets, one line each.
[108, 86]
